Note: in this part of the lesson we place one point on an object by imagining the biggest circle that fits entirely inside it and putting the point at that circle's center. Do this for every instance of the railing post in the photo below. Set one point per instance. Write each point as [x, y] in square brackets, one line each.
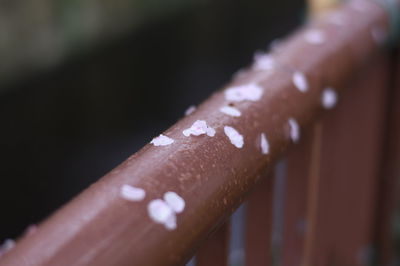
[259, 223]
[351, 151]
[389, 178]
[215, 251]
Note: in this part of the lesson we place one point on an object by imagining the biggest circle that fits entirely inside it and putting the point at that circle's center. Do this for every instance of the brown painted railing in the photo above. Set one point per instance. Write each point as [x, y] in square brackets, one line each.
[323, 203]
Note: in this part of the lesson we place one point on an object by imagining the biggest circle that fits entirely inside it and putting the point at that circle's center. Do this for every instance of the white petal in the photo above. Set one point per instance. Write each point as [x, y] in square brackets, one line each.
[264, 144]
[198, 128]
[232, 111]
[379, 35]
[159, 211]
[190, 110]
[315, 36]
[300, 81]
[263, 61]
[329, 98]
[170, 223]
[132, 193]
[234, 136]
[248, 92]
[7, 245]
[174, 201]
[162, 141]
[210, 132]
[294, 130]
[336, 18]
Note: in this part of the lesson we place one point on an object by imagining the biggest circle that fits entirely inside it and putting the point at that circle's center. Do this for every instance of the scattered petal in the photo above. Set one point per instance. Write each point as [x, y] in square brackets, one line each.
[198, 128]
[294, 130]
[232, 111]
[234, 136]
[263, 61]
[248, 92]
[132, 193]
[190, 110]
[379, 35]
[30, 230]
[159, 211]
[336, 18]
[315, 36]
[240, 73]
[7, 245]
[210, 132]
[162, 141]
[300, 81]
[275, 45]
[164, 211]
[174, 201]
[264, 144]
[329, 98]
[361, 6]
[170, 223]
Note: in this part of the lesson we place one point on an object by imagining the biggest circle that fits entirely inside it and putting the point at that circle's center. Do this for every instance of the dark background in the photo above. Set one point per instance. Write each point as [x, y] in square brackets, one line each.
[64, 127]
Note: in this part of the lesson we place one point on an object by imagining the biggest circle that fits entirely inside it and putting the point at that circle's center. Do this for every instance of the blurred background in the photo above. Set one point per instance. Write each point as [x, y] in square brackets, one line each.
[84, 84]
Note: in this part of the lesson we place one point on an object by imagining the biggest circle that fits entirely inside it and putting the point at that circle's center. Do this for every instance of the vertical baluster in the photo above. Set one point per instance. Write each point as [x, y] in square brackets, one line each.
[214, 251]
[295, 207]
[343, 218]
[390, 172]
[259, 224]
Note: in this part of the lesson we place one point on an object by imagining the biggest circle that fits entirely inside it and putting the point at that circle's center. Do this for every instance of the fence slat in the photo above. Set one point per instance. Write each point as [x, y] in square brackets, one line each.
[390, 172]
[214, 252]
[259, 224]
[352, 138]
[295, 205]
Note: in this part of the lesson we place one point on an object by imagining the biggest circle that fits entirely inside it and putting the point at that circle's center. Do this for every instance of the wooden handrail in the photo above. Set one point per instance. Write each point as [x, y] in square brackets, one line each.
[160, 204]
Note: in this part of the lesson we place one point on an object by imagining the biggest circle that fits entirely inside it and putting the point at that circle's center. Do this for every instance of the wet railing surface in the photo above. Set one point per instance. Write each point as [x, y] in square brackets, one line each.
[328, 202]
